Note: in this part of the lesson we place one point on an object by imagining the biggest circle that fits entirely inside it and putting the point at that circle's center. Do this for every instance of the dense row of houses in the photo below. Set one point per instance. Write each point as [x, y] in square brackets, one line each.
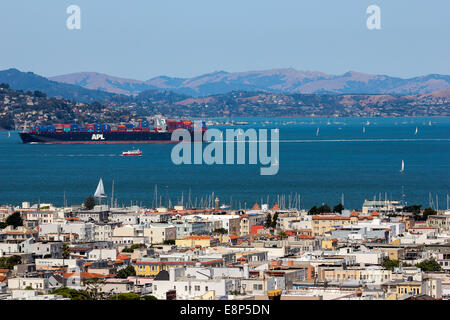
[221, 254]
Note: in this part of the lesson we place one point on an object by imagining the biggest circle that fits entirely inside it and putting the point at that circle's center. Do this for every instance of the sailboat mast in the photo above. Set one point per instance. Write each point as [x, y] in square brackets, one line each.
[112, 194]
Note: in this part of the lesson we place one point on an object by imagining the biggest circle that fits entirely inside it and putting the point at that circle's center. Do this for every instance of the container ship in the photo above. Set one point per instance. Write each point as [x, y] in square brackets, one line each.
[160, 131]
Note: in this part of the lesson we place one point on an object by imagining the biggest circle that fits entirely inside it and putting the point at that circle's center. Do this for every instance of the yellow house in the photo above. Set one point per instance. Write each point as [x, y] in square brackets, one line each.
[152, 268]
[410, 287]
[325, 223]
[195, 241]
[329, 244]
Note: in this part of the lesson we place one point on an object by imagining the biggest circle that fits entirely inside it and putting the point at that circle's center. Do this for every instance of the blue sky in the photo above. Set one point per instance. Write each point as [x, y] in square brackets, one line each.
[141, 39]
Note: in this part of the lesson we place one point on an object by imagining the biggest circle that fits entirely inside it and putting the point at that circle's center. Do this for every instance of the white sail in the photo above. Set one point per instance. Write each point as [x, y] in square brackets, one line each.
[100, 192]
[317, 132]
[403, 166]
[417, 130]
[364, 129]
[9, 134]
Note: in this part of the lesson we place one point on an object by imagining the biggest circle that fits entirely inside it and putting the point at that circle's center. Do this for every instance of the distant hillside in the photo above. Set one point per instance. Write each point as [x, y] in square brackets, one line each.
[29, 81]
[19, 108]
[277, 80]
[104, 82]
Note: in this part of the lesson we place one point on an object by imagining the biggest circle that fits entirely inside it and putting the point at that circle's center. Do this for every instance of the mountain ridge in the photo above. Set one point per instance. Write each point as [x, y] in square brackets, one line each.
[29, 81]
[282, 80]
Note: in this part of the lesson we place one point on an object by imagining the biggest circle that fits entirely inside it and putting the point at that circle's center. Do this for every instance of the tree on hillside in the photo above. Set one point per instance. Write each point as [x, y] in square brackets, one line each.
[390, 264]
[125, 296]
[414, 209]
[324, 208]
[220, 231]
[313, 211]
[268, 222]
[14, 220]
[428, 212]
[282, 235]
[94, 287]
[429, 265]
[89, 203]
[274, 220]
[9, 262]
[126, 272]
[73, 294]
[65, 251]
[338, 208]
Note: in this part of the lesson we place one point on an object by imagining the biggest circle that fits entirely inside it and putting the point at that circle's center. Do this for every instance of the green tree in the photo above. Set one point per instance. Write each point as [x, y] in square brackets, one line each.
[428, 212]
[221, 231]
[9, 262]
[324, 208]
[429, 265]
[314, 211]
[126, 272]
[149, 297]
[274, 220]
[137, 246]
[268, 222]
[94, 288]
[283, 235]
[14, 220]
[390, 264]
[338, 208]
[89, 203]
[414, 209]
[65, 251]
[73, 294]
[125, 296]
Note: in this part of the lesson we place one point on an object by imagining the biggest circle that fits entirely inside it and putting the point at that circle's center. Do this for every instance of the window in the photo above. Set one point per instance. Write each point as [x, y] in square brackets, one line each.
[206, 288]
[197, 288]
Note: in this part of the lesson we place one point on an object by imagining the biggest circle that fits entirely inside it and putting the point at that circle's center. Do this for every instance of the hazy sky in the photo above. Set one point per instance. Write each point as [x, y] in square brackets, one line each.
[145, 38]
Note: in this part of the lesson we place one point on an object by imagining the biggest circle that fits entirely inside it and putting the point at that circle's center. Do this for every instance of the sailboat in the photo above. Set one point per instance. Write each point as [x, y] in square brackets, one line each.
[100, 191]
[417, 130]
[403, 166]
[364, 129]
[317, 132]
[9, 134]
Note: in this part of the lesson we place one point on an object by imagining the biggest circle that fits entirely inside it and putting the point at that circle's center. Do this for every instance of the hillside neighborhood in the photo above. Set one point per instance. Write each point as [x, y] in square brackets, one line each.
[384, 251]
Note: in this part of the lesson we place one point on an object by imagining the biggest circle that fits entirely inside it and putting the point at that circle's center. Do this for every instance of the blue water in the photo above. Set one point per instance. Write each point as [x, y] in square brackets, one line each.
[341, 159]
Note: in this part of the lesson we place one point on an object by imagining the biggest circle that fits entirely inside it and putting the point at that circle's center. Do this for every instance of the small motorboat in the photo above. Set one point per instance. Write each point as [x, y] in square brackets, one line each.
[132, 153]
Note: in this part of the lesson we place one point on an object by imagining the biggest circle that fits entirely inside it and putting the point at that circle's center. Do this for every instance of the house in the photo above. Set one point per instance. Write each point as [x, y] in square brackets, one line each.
[157, 233]
[21, 283]
[42, 249]
[440, 222]
[195, 241]
[191, 287]
[102, 254]
[151, 267]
